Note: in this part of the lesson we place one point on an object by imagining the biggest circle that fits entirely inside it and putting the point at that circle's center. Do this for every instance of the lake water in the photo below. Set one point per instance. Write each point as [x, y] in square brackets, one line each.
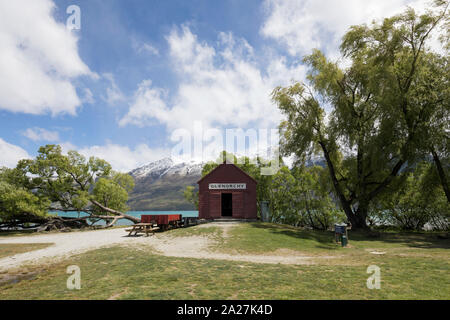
[124, 222]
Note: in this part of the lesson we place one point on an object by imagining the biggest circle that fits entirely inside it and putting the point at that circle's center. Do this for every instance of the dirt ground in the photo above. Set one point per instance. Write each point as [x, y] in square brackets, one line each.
[67, 244]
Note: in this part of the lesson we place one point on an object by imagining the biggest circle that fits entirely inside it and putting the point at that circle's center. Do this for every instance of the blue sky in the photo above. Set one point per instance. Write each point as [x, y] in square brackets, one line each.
[138, 70]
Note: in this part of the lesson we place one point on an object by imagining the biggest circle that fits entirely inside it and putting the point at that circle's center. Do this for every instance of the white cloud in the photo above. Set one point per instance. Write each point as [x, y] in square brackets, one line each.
[10, 154]
[121, 158]
[302, 25]
[38, 60]
[142, 47]
[88, 96]
[219, 86]
[113, 94]
[40, 134]
[148, 104]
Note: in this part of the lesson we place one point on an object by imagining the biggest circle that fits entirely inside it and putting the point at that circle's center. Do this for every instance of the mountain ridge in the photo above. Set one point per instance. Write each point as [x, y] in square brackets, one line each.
[159, 185]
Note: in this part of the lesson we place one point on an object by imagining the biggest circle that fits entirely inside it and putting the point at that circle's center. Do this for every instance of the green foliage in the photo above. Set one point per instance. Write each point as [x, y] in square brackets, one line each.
[112, 191]
[18, 201]
[302, 197]
[387, 108]
[191, 195]
[414, 200]
[319, 210]
[56, 181]
[283, 192]
[65, 180]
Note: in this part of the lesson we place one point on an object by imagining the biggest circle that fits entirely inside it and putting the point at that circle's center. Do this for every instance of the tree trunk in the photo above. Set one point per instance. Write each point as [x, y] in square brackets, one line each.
[109, 224]
[63, 224]
[116, 213]
[345, 203]
[359, 219]
[441, 173]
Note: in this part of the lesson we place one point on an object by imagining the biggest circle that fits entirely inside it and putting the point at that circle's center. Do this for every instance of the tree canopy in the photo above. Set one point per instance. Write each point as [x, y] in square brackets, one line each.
[373, 119]
[54, 181]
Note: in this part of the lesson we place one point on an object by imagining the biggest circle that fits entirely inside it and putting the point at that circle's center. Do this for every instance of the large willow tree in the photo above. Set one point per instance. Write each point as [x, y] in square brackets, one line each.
[384, 109]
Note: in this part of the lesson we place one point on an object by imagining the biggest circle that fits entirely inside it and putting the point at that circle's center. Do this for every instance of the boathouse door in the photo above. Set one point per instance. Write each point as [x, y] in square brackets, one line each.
[227, 204]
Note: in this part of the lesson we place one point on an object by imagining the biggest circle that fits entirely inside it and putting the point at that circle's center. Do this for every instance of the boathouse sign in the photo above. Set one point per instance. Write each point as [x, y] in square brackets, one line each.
[227, 186]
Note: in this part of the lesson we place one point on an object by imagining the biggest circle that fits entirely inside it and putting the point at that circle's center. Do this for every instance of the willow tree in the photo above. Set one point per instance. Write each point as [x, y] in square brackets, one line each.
[73, 183]
[375, 117]
[434, 94]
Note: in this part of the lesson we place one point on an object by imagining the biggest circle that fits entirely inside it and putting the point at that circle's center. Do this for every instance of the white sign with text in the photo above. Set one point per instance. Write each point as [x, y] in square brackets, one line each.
[227, 186]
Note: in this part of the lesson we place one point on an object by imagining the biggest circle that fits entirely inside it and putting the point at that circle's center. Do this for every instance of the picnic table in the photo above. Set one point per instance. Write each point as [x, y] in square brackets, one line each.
[142, 228]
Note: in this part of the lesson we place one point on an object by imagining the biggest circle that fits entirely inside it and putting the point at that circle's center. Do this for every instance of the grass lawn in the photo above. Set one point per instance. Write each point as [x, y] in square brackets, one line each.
[266, 237]
[10, 249]
[214, 233]
[414, 266]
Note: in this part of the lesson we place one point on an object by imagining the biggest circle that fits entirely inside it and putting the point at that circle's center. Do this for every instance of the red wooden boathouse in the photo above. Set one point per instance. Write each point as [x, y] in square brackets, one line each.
[227, 192]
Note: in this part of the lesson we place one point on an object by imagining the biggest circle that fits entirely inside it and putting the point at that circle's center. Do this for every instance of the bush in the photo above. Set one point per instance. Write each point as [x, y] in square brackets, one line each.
[302, 197]
[416, 201]
[322, 219]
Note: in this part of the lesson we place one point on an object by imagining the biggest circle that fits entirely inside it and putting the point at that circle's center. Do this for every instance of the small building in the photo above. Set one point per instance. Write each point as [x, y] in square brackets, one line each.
[227, 192]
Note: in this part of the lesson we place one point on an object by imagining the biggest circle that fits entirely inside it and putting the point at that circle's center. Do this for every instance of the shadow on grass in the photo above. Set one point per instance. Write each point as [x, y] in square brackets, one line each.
[422, 240]
[325, 238]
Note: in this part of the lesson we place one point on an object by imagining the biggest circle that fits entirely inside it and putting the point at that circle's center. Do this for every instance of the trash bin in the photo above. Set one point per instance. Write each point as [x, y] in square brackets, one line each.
[344, 240]
[340, 233]
[265, 213]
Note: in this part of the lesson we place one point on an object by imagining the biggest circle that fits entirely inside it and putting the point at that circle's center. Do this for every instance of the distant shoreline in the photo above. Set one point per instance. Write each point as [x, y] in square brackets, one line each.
[125, 222]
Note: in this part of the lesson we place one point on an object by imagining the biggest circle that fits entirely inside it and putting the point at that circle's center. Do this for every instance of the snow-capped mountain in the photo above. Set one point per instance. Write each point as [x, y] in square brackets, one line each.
[167, 166]
[159, 185]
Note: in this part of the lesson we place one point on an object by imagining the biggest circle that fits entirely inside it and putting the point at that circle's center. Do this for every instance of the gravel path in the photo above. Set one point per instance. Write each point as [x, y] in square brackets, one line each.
[68, 244]
[65, 245]
[198, 247]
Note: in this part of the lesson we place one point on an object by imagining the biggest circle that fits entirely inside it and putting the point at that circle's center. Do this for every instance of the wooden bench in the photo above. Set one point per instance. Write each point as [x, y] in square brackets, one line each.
[142, 228]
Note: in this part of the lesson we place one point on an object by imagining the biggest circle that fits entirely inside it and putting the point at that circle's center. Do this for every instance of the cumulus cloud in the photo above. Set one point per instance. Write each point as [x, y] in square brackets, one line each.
[40, 134]
[220, 85]
[38, 60]
[122, 158]
[10, 154]
[301, 26]
[148, 104]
